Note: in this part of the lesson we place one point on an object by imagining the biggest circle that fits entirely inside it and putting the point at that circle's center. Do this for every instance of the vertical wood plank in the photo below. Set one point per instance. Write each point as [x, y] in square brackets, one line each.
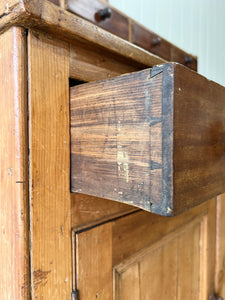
[189, 264]
[49, 167]
[94, 263]
[127, 284]
[220, 247]
[158, 273]
[211, 247]
[203, 269]
[14, 237]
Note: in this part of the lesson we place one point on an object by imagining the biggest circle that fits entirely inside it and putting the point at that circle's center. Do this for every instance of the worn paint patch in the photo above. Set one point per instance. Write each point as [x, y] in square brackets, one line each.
[122, 163]
[122, 156]
[169, 210]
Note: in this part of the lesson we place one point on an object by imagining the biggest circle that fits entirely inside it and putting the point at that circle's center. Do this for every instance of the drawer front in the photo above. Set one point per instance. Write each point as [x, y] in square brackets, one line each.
[100, 13]
[154, 139]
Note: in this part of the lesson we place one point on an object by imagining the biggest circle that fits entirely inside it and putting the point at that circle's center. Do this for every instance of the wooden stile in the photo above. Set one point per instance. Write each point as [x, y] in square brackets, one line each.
[152, 139]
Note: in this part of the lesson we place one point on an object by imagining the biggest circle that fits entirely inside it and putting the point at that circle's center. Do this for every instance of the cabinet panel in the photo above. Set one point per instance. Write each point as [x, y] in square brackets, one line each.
[169, 269]
[175, 258]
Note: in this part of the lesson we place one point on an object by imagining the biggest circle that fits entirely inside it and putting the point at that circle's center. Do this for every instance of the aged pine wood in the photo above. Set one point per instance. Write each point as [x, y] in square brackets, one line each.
[127, 28]
[54, 20]
[164, 262]
[146, 229]
[14, 216]
[94, 263]
[189, 250]
[199, 140]
[88, 210]
[49, 167]
[142, 137]
[123, 281]
[183, 58]
[220, 247]
[120, 170]
[117, 23]
[153, 257]
[150, 41]
[167, 269]
[89, 65]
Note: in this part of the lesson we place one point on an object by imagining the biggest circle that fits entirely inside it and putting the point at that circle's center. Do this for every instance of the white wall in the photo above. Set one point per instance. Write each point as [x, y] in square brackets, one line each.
[197, 26]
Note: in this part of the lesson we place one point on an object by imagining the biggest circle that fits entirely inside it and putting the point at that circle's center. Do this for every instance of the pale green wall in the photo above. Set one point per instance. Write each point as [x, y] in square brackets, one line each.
[197, 26]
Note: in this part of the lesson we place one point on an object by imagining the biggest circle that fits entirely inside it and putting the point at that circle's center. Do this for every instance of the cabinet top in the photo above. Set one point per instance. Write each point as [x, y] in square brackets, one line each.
[45, 16]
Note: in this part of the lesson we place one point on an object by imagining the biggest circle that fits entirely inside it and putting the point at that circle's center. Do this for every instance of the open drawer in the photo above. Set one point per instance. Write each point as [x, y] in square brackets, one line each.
[154, 139]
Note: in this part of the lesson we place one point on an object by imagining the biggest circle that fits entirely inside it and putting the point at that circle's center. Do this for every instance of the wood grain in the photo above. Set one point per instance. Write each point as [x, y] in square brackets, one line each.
[117, 23]
[163, 262]
[171, 267]
[154, 43]
[142, 137]
[62, 24]
[150, 41]
[199, 139]
[146, 229]
[152, 257]
[184, 58]
[188, 283]
[49, 181]
[94, 263]
[126, 284]
[14, 217]
[89, 65]
[117, 146]
[220, 247]
[91, 210]
[127, 28]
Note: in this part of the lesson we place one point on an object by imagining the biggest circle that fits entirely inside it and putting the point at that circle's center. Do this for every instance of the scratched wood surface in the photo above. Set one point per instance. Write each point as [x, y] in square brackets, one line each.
[111, 155]
[141, 138]
[66, 26]
[48, 64]
[199, 139]
[177, 255]
[14, 217]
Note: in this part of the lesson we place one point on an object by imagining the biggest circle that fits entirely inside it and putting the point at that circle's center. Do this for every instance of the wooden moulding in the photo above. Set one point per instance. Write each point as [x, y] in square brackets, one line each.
[117, 23]
[44, 15]
[153, 139]
[123, 26]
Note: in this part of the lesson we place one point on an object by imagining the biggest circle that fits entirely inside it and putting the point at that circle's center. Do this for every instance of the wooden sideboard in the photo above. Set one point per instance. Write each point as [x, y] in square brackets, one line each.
[60, 245]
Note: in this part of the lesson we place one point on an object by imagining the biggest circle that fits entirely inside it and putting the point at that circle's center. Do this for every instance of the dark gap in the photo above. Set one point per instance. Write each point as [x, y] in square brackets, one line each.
[73, 82]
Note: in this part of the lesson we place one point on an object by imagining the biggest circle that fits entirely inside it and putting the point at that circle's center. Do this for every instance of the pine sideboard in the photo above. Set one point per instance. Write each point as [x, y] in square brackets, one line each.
[97, 202]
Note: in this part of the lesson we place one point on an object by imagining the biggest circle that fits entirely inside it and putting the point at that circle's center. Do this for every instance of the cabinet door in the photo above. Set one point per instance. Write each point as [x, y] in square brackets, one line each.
[143, 256]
